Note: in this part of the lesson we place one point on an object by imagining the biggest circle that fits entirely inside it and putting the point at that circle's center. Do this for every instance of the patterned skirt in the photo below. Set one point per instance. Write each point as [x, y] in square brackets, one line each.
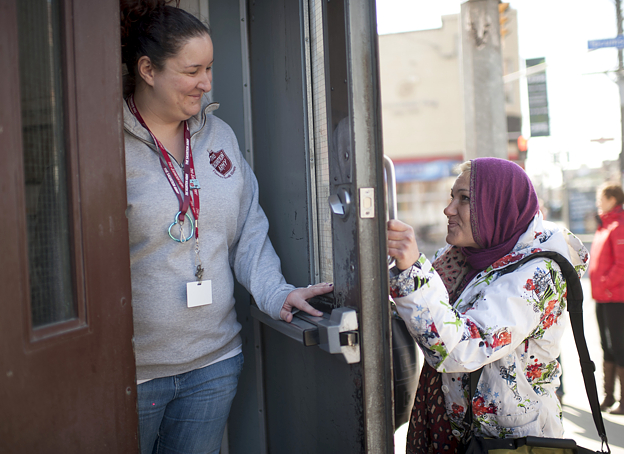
[429, 427]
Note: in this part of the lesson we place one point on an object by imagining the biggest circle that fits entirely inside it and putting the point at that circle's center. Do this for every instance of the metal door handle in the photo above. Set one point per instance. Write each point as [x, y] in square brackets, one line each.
[390, 195]
[391, 187]
[336, 333]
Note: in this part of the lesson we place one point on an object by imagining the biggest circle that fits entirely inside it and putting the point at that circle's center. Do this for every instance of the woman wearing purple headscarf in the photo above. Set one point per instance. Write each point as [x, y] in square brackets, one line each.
[466, 312]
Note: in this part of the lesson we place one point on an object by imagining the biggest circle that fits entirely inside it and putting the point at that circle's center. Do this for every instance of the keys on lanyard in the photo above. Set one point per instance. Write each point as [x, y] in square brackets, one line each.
[186, 191]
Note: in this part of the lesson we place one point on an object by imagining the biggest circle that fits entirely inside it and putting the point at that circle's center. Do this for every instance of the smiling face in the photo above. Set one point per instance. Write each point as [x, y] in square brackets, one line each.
[458, 214]
[179, 86]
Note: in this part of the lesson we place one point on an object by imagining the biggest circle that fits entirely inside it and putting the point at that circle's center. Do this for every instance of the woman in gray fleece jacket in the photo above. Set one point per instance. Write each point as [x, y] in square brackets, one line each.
[184, 257]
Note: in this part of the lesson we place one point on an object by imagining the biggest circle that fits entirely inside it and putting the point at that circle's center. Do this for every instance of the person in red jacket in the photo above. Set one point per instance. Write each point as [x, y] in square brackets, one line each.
[606, 272]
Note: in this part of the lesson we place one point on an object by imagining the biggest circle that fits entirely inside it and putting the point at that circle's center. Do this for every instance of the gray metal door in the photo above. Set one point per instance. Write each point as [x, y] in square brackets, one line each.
[318, 385]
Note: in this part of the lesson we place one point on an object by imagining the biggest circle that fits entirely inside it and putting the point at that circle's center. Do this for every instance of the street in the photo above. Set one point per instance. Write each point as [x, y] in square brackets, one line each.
[577, 418]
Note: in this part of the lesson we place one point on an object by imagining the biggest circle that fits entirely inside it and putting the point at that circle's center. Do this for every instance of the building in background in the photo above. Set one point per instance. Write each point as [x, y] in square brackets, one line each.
[579, 195]
[424, 130]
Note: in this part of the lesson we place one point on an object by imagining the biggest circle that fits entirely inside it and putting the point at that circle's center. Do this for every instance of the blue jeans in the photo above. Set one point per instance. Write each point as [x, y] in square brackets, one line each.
[187, 413]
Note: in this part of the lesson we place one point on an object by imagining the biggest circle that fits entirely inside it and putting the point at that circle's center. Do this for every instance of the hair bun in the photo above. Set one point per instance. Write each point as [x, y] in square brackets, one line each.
[134, 11]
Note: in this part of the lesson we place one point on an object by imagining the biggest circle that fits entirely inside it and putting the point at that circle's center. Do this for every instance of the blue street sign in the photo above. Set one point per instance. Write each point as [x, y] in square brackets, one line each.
[618, 42]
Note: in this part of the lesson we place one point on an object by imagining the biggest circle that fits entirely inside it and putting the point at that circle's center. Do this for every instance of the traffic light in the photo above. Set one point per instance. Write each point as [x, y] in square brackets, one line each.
[523, 144]
[523, 147]
[503, 19]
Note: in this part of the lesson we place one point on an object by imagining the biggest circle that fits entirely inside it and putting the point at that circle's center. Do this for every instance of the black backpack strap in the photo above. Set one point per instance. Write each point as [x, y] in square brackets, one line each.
[575, 309]
[472, 388]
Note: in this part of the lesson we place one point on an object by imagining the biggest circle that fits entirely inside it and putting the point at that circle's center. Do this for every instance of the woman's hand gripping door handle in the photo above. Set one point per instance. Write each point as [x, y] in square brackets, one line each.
[402, 247]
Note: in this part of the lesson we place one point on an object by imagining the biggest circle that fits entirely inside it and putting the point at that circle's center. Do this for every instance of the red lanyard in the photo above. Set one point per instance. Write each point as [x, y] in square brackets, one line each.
[189, 186]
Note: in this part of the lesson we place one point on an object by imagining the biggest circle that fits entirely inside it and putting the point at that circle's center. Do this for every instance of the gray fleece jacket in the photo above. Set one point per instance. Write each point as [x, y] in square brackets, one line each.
[169, 337]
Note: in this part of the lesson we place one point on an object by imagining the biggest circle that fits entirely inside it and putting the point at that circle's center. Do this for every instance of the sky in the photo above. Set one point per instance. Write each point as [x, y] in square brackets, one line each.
[584, 101]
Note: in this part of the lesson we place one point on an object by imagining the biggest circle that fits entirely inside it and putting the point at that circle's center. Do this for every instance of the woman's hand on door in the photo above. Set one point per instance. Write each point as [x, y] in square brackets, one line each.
[402, 244]
[298, 299]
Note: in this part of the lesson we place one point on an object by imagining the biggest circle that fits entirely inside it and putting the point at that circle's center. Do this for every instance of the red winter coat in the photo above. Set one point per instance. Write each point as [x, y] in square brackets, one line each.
[606, 266]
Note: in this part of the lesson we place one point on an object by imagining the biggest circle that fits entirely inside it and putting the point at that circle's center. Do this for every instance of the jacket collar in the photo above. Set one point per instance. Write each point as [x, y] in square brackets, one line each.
[613, 215]
[196, 122]
[545, 236]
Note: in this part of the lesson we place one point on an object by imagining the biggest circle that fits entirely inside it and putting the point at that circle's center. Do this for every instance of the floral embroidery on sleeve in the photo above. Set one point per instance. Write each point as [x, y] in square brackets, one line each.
[411, 279]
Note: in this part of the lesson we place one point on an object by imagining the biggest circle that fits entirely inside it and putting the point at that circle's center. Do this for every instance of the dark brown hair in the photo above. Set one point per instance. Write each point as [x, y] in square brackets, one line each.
[154, 29]
[613, 190]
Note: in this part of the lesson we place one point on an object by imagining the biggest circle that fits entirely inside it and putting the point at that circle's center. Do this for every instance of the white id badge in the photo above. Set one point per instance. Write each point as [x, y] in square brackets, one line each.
[198, 293]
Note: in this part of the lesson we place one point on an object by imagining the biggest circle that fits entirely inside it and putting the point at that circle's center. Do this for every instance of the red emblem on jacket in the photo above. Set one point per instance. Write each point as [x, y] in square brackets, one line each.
[222, 163]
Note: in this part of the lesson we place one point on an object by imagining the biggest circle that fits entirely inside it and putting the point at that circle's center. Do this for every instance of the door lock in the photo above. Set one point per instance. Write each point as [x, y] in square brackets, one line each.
[339, 335]
[340, 202]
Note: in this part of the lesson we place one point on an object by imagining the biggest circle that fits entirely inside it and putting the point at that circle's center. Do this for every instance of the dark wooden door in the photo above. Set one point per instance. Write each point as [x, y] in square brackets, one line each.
[67, 369]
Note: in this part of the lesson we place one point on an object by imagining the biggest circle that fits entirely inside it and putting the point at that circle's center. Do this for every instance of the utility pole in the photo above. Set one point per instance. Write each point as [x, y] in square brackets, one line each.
[620, 82]
[482, 68]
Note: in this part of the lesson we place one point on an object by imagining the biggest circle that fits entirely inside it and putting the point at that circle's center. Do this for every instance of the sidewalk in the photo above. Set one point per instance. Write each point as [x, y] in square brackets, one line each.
[577, 418]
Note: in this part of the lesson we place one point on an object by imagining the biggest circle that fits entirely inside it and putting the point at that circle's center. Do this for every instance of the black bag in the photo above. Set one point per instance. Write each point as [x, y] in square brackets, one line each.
[537, 445]
[404, 369]
[528, 445]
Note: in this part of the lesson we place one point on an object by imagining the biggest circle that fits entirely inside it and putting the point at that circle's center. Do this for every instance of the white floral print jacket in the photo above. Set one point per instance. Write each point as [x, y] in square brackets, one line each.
[510, 323]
